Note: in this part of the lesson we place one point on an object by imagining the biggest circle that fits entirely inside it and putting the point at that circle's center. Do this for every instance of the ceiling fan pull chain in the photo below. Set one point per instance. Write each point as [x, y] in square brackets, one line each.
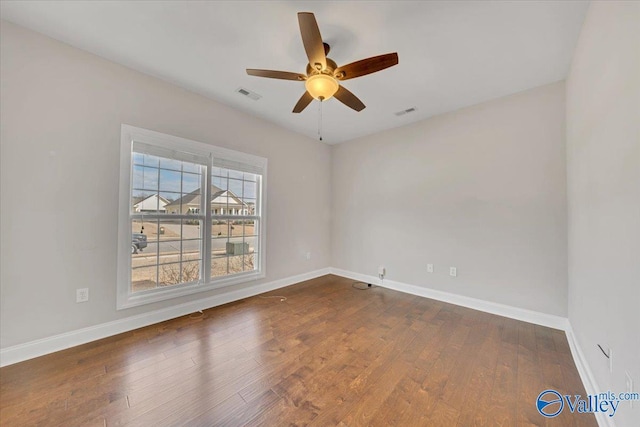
[320, 119]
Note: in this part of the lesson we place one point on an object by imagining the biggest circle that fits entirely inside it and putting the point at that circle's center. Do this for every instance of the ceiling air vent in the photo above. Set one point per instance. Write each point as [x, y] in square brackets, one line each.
[248, 93]
[407, 111]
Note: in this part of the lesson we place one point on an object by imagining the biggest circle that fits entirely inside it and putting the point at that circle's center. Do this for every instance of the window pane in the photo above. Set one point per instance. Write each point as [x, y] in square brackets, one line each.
[220, 202]
[145, 160]
[233, 174]
[235, 186]
[185, 203]
[145, 178]
[190, 167]
[190, 182]
[250, 177]
[138, 200]
[170, 197]
[236, 264]
[179, 236]
[219, 182]
[137, 159]
[172, 164]
[143, 278]
[191, 250]
[237, 246]
[250, 263]
[233, 264]
[219, 266]
[249, 190]
[170, 274]
[178, 272]
[234, 246]
[250, 228]
[144, 255]
[220, 229]
[148, 202]
[170, 180]
[237, 229]
[216, 171]
[190, 271]
[251, 206]
[170, 229]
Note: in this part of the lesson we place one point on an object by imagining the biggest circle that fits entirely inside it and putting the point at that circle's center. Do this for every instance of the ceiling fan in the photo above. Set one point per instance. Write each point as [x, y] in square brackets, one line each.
[323, 77]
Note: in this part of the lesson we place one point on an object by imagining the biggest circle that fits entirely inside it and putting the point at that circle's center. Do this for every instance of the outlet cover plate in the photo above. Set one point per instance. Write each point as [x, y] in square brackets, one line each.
[82, 295]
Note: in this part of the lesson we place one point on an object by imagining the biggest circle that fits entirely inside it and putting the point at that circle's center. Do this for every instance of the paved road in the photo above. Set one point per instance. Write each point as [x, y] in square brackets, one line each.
[218, 244]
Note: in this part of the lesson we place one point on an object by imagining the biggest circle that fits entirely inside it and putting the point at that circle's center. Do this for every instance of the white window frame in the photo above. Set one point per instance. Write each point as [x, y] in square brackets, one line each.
[221, 157]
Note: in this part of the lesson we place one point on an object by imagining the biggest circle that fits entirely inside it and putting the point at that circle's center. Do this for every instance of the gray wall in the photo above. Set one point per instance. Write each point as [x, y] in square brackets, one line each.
[482, 189]
[61, 114]
[603, 154]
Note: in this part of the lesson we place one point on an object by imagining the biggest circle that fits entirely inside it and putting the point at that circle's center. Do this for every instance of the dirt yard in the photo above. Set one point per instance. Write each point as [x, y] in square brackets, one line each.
[172, 230]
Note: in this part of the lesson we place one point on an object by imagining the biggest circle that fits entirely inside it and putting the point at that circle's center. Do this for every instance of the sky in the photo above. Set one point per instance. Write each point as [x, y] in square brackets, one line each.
[173, 178]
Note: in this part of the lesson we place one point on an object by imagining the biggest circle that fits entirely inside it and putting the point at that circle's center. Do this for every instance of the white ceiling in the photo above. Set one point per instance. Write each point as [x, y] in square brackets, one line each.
[452, 53]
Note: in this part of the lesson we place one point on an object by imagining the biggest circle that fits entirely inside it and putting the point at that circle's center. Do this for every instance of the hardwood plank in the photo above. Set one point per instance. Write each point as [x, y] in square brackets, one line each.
[443, 415]
[327, 355]
[238, 415]
[529, 378]
[370, 401]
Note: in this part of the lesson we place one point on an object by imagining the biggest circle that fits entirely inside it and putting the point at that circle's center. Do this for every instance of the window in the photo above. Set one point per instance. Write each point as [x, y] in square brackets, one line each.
[202, 222]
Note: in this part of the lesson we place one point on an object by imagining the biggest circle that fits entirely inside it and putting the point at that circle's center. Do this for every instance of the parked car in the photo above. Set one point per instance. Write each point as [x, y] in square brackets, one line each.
[138, 242]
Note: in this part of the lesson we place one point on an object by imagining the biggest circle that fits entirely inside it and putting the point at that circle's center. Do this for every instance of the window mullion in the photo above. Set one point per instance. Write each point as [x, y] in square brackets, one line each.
[180, 269]
[206, 226]
[157, 220]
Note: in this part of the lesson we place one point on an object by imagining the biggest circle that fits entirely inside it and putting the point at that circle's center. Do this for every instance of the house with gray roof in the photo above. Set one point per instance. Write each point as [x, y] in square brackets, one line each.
[223, 202]
[152, 203]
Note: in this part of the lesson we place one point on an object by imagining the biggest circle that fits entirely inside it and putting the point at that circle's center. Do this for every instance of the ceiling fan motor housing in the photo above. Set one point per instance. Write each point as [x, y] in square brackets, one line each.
[331, 67]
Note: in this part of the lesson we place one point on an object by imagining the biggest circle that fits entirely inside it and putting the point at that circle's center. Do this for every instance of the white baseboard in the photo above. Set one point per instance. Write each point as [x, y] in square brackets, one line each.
[588, 380]
[543, 319]
[29, 350]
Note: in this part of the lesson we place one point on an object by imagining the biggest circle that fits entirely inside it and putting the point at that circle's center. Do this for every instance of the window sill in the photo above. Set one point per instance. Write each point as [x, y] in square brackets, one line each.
[148, 297]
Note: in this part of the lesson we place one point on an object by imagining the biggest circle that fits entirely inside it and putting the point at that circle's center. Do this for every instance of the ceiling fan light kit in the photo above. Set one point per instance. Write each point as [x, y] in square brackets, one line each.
[323, 76]
[321, 86]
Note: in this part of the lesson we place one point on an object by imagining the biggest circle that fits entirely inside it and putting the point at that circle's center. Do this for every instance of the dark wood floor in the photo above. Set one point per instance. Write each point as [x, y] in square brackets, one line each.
[328, 355]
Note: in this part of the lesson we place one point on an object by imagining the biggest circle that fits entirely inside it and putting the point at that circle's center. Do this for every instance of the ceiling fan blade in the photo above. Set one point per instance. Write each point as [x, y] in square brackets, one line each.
[284, 75]
[349, 99]
[366, 66]
[304, 100]
[312, 40]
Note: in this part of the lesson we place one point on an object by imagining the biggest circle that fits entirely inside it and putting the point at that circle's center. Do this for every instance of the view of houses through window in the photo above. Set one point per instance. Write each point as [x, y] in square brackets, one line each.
[174, 239]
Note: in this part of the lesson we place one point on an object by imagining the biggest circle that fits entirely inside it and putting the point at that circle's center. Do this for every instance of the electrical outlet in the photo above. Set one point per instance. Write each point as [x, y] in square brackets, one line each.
[308, 255]
[453, 271]
[629, 382]
[82, 295]
[429, 268]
